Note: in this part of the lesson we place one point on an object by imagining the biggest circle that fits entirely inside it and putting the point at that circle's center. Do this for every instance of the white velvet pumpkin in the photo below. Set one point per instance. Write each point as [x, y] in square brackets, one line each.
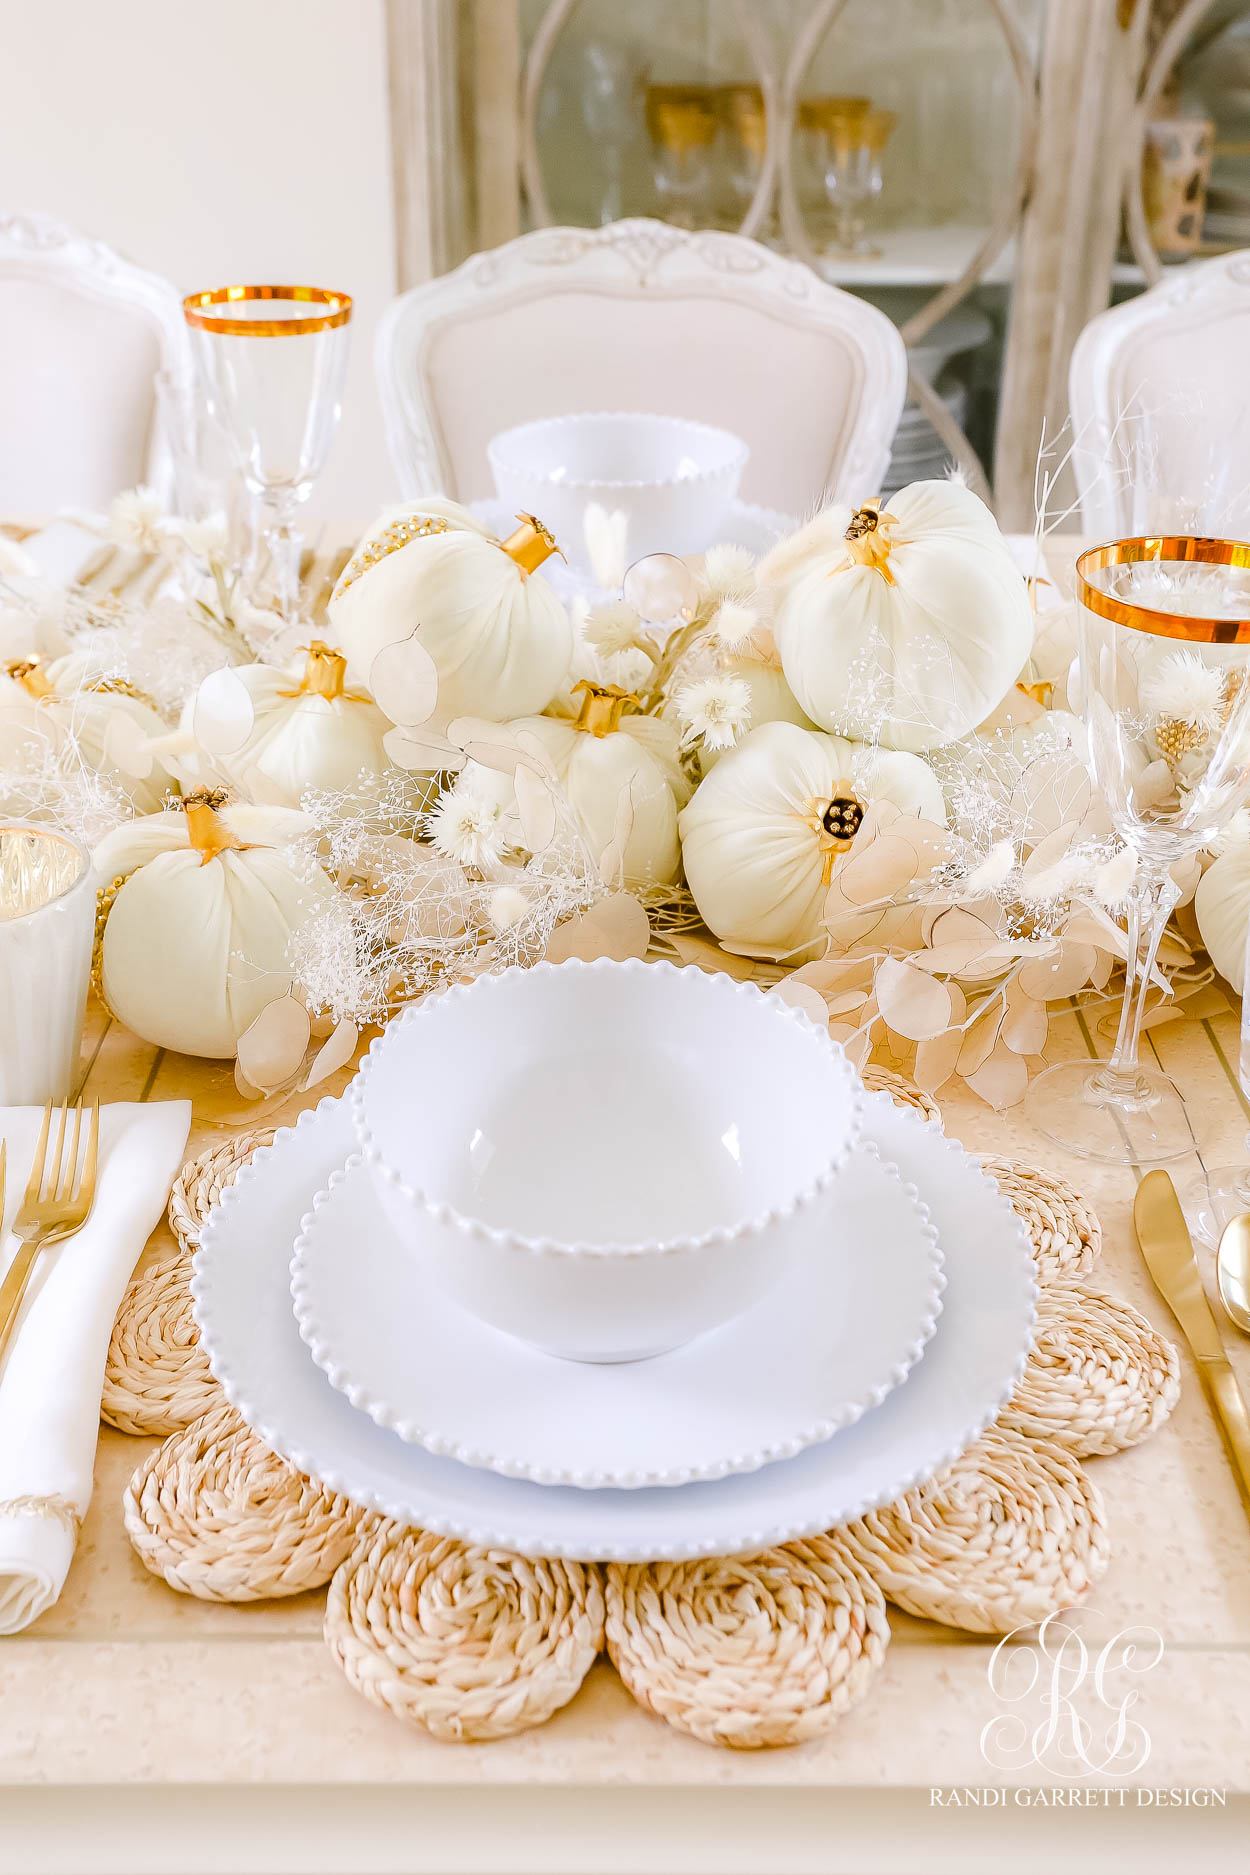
[757, 846]
[306, 730]
[601, 758]
[498, 639]
[1222, 908]
[910, 628]
[196, 942]
[71, 700]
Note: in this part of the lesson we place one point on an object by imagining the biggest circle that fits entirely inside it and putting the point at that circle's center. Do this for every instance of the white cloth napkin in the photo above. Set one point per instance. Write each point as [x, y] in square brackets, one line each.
[53, 1371]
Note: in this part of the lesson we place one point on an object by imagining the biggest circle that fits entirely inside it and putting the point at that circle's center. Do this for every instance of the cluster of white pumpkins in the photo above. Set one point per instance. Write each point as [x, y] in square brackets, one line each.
[894, 632]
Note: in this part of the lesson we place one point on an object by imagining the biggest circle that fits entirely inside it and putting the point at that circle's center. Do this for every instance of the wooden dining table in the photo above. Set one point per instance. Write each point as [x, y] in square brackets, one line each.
[143, 1732]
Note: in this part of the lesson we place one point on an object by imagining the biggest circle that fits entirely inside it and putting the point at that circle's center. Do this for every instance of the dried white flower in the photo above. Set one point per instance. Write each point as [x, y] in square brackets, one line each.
[1236, 834]
[406, 918]
[136, 519]
[507, 905]
[606, 531]
[729, 572]
[715, 709]
[469, 827]
[1184, 689]
[733, 622]
[1059, 880]
[994, 870]
[207, 540]
[1113, 880]
[612, 627]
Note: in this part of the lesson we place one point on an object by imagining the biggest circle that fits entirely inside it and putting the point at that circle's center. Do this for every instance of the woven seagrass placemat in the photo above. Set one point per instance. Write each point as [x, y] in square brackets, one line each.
[473, 1644]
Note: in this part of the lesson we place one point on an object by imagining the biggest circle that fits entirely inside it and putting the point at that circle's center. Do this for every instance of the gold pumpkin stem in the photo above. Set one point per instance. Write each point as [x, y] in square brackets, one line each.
[206, 831]
[603, 705]
[30, 674]
[531, 544]
[866, 545]
[324, 671]
[835, 821]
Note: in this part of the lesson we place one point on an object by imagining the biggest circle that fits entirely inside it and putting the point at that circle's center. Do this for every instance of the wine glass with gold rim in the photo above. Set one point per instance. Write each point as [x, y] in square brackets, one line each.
[855, 137]
[1163, 653]
[682, 123]
[271, 363]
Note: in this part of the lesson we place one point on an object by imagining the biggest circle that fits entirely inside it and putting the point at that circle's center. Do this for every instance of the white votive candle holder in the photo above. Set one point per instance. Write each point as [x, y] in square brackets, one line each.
[47, 926]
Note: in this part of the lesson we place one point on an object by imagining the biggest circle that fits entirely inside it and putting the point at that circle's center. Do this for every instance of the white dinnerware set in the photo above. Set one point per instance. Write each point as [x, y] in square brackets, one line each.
[674, 480]
[669, 484]
[614, 1261]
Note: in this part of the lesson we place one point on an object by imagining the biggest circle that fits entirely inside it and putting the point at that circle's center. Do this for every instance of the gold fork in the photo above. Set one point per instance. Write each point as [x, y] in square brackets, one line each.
[57, 1203]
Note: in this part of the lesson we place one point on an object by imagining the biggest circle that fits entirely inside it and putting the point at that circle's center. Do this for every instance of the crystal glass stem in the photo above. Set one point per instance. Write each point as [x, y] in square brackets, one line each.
[1149, 911]
[283, 545]
[847, 225]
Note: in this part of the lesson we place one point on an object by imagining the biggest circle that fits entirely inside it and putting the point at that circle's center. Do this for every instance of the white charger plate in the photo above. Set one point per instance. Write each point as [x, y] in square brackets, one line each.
[842, 1329]
[242, 1302]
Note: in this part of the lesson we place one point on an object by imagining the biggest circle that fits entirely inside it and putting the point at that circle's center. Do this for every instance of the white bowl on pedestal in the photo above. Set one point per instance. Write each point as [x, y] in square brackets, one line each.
[673, 479]
[607, 1159]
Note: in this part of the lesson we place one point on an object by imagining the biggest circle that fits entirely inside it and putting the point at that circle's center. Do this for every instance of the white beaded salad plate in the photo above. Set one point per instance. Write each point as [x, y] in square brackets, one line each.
[842, 1328]
[242, 1303]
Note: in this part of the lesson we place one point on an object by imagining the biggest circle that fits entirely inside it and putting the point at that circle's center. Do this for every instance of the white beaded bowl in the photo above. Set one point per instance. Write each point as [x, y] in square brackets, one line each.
[607, 1159]
[675, 480]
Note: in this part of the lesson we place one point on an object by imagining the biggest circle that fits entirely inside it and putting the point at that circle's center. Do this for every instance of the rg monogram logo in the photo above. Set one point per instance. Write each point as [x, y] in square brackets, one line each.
[1077, 1703]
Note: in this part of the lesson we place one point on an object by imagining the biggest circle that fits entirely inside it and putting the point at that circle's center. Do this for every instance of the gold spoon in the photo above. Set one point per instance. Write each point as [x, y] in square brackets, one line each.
[1232, 1271]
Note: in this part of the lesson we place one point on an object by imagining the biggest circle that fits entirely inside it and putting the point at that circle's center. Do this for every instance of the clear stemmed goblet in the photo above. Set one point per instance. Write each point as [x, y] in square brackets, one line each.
[746, 144]
[682, 125]
[1163, 654]
[271, 363]
[854, 141]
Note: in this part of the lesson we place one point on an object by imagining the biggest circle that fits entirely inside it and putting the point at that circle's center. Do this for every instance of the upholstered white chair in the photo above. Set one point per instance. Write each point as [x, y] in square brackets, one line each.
[95, 372]
[642, 316]
[1159, 390]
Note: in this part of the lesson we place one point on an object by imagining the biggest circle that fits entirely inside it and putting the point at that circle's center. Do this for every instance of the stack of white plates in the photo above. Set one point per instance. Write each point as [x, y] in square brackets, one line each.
[918, 453]
[878, 1343]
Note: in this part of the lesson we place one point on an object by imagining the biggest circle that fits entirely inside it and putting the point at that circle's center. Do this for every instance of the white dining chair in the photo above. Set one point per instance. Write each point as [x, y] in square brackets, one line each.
[95, 372]
[1159, 392]
[642, 316]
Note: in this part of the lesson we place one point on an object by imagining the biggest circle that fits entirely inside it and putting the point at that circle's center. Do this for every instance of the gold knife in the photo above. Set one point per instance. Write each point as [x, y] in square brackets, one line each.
[1169, 1254]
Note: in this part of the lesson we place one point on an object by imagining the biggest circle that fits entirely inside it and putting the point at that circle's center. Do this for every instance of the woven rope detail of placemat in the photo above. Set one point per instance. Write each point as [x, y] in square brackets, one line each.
[766, 1652]
[471, 1644]
[1011, 1533]
[219, 1515]
[1063, 1229]
[203, 1179]
[156, 1377]
[903, 1092]
[1099, 1378]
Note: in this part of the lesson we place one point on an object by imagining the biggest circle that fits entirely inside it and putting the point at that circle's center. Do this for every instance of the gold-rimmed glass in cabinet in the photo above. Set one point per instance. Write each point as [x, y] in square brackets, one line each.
[854, 140]
[271, 363]
[682, 124]
[1162, 661]
[746, 140]
[812, 119]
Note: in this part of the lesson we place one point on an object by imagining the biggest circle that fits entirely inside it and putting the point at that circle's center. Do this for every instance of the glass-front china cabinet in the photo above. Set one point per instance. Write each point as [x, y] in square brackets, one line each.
[989, 172]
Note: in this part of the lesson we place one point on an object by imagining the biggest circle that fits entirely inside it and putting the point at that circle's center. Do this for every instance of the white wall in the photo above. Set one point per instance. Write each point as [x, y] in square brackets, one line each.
[216, 141]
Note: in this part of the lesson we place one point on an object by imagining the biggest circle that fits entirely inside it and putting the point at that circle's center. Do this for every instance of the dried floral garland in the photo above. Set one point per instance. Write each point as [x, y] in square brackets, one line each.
[941, 946]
